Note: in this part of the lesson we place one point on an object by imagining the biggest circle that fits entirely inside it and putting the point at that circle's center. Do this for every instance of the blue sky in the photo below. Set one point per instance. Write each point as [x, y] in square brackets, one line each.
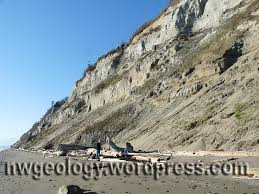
[45, 45]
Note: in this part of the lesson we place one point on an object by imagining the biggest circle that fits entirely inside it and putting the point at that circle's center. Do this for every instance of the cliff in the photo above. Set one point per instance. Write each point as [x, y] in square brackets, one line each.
[186, 80]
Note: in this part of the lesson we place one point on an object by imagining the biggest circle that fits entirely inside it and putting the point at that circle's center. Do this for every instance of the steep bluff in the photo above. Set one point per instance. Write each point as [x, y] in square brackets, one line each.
[187, 80]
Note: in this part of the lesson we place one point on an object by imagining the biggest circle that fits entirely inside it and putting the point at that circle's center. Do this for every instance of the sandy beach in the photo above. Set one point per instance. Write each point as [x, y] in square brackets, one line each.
[125, 184]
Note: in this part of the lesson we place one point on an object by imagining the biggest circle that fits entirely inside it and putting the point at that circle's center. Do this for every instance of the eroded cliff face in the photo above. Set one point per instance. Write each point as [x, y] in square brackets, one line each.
[189, 80]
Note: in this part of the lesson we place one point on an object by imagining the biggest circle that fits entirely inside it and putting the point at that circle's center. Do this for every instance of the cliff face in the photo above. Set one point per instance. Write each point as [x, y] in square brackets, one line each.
[188, 80]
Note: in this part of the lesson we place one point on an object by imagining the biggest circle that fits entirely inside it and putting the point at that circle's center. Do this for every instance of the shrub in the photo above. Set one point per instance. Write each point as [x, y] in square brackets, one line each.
[141, 29]
[122, 46]
[89, 69]
[239, 109]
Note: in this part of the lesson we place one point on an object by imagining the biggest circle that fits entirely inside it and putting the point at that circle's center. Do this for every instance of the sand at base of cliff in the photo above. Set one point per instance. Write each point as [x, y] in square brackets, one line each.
[139, 184]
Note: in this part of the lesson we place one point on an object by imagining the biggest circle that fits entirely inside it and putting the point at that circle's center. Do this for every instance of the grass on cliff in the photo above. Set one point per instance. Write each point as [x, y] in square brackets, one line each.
[239, 108]
[106, 83]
